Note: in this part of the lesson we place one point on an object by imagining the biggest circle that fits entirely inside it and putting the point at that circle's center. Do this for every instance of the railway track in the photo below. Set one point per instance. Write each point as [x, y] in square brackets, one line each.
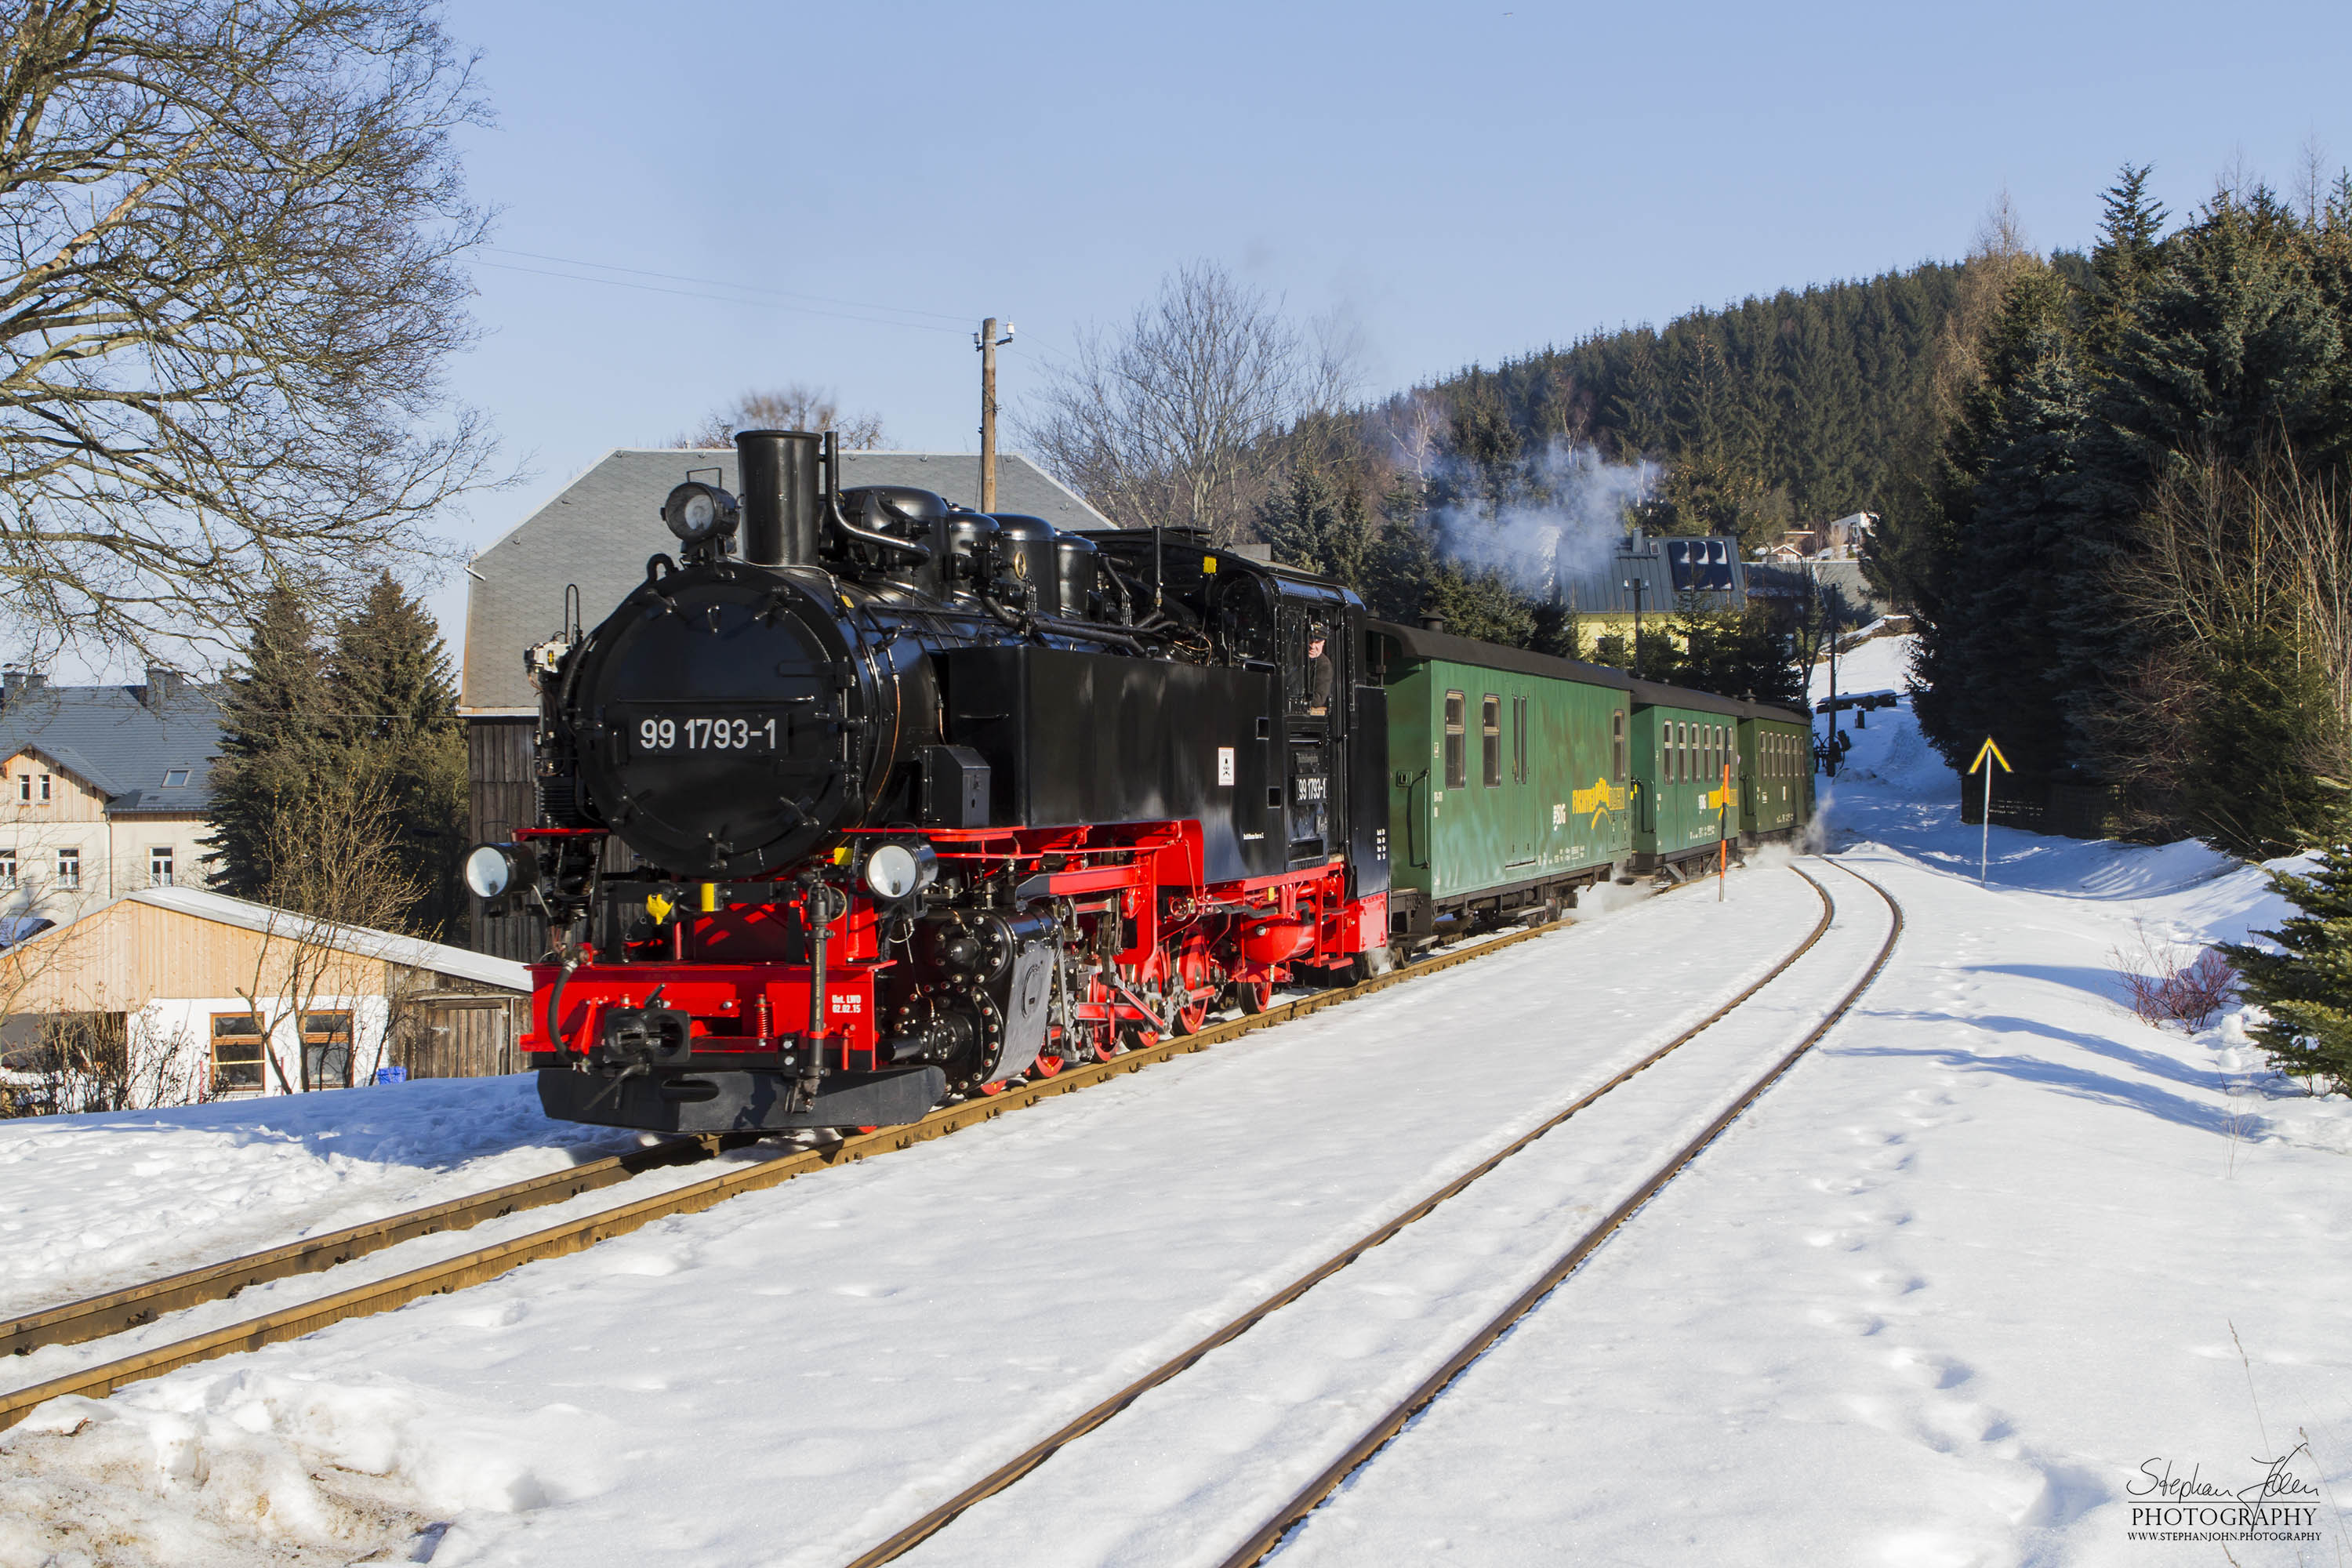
[136, 1306]
[1269, 1531]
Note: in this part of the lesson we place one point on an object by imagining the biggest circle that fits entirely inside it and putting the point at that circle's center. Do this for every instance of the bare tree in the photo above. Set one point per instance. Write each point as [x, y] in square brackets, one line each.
[1173, 419]
[793, 406]
[2230, 552]
[338, 883]
[2000, 255]
[230, 236]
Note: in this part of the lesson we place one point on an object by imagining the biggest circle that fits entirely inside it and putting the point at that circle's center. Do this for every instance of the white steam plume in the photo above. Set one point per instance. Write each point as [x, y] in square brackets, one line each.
[1561, 514]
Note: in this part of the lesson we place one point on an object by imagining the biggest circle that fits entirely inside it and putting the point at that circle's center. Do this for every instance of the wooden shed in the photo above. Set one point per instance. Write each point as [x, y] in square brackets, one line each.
[216, 995]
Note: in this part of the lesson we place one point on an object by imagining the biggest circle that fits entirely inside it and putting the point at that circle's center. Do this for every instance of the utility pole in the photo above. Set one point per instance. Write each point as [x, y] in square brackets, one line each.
[988, 342]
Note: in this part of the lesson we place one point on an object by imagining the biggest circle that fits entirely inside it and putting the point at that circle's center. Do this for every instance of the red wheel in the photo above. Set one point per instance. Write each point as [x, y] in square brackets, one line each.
[1256, 995]
[997, 1087]
[1047, 1067]
[1196, 986]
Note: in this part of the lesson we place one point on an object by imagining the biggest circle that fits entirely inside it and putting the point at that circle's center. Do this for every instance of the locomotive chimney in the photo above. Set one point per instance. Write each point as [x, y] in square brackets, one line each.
[777, 470]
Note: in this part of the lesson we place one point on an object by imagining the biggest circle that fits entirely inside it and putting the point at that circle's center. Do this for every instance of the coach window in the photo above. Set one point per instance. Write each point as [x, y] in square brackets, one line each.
[1617, 744]
[1682, 754]
[1458, 758]
[1490, 737]
[1518, 740]
[236, 1052]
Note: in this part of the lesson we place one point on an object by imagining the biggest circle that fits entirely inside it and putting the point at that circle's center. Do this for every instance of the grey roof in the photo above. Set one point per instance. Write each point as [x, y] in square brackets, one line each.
[113, 737]
[598, 531]
[1706, 571]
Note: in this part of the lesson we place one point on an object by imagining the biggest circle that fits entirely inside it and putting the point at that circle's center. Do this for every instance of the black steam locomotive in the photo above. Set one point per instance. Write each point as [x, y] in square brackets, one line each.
[865, 799]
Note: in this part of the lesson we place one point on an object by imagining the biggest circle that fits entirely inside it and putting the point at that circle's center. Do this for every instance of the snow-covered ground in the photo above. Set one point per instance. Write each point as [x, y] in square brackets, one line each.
[1958, 1285]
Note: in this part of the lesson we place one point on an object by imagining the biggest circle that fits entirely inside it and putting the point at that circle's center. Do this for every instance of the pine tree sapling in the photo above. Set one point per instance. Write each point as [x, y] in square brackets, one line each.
[2306, 986]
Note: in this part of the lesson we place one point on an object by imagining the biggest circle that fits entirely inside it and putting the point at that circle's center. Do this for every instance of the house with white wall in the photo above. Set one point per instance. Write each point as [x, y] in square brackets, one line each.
[215, 998]
[104, 791]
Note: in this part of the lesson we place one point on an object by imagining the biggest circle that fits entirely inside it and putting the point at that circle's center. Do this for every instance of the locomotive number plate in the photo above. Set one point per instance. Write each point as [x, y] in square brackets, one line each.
[659, 736]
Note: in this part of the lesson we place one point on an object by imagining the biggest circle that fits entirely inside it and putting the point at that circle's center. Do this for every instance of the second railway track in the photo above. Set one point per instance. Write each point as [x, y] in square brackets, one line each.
[118, 1311]
[1269, 1530]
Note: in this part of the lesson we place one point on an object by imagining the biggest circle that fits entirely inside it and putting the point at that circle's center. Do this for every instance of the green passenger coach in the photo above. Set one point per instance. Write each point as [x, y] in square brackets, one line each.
[1776, 773]
[1509, 776]
[1683, 742]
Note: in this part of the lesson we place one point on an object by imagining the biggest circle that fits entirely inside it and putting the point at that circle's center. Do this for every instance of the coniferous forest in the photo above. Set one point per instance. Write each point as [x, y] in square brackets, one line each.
[2110, 485]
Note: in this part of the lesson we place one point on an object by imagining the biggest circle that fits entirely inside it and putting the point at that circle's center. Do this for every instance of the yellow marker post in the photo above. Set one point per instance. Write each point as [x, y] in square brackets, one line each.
[1986, 755]
[1723, 833]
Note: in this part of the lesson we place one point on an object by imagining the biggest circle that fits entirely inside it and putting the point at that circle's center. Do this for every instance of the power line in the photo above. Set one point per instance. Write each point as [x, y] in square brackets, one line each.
[707, 282]
[721, 299]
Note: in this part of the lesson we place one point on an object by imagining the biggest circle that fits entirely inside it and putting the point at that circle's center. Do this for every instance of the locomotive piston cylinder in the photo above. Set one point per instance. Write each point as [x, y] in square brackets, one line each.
[777, 470]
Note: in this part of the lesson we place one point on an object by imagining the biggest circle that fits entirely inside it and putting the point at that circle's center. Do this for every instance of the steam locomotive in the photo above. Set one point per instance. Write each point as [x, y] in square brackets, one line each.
[865, 799]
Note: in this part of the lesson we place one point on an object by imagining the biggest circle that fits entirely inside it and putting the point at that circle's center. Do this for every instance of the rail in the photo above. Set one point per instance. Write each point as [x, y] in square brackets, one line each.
[1028, 1459]
[136, 1305]
[1270, 1533]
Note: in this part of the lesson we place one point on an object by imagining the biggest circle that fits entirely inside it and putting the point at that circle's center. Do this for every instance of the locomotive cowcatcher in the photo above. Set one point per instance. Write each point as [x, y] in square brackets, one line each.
[867, 800]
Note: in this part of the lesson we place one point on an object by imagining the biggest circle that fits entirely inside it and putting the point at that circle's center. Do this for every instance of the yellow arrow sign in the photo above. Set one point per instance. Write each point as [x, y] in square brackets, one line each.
[1995, 752]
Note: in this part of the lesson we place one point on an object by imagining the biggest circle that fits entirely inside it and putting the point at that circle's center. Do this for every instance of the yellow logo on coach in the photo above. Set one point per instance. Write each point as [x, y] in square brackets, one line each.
[1600, 798]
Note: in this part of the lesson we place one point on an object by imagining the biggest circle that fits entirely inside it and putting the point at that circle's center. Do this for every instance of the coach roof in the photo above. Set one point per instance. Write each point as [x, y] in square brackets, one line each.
[1418, 642]
[598, 531]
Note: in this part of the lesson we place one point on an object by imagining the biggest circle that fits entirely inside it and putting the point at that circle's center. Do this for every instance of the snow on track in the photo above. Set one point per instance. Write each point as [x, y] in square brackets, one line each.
[94, 1203]
[1991, 1259]
[789, 1377]
[1202, 1460]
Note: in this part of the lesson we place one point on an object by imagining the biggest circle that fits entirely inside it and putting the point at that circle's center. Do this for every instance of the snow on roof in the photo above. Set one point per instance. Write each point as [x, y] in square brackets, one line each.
[413, 952]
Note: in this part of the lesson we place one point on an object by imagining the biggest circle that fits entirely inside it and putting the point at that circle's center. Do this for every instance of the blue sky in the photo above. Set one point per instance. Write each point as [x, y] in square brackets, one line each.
[1466, 181]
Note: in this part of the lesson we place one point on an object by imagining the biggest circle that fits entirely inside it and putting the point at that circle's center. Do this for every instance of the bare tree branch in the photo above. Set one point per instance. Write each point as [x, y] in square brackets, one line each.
[1171, 421]
[230, 236]
[793, 406]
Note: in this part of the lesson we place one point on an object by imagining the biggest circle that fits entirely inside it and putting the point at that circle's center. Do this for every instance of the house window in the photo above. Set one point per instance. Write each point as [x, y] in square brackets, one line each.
[8, 871]
[1490, 735]
[69, 867]
[45, 789]
[1457, 756]
[236, 1053]
[326, 1050]
[175, 777]
[24, 788]
[159, 866]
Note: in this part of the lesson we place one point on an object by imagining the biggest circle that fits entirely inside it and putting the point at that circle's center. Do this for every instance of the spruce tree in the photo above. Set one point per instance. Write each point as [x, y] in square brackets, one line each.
[2306, 987]
[1986, 649]
[2248, 787]
[279, 730]
[396, 711]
